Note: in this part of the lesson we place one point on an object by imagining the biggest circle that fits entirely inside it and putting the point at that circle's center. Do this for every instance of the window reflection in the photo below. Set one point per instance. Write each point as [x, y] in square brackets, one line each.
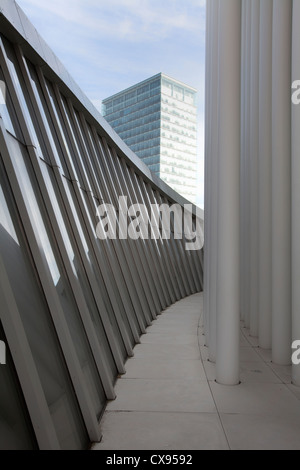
[24, 99]
[86, 162]
[7, 111]
[84, 181]
[36, 216]
[48, 125]
[63, 132]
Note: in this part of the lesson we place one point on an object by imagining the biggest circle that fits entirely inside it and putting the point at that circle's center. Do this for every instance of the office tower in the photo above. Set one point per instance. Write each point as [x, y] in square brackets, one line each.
[157, 119]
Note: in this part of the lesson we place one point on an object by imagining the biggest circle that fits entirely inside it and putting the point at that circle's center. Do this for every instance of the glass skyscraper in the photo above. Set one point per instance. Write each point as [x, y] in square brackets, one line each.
[157, 119]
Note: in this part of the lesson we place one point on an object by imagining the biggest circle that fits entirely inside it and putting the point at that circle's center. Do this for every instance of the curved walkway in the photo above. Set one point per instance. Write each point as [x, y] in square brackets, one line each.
[169, 400]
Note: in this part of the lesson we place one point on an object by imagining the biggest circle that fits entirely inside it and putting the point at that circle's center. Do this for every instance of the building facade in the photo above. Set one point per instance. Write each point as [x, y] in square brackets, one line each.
[157, 119]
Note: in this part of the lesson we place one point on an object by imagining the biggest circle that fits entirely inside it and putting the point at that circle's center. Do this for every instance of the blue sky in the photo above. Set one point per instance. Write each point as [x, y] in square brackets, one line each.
[109, 45]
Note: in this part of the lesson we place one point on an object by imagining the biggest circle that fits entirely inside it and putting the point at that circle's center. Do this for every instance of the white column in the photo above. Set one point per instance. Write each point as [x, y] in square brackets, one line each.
[214, 184]
[281, 182]
[265, 176]
[246, 188]
[207, 172]
[242, 169]
[296, 191]
[227, 363]
[254, 111]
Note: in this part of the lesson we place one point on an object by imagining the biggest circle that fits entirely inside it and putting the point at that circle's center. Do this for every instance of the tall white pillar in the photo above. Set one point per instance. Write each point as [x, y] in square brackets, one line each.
[296, 191]
[246, 188]
[254, 221]
[214, 184]
[281, 182]
[242, 168]
[265, 176]
[227, 363]
[207, 170]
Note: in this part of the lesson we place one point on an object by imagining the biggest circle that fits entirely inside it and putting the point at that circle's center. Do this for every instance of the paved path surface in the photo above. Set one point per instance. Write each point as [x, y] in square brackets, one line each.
[169, 400]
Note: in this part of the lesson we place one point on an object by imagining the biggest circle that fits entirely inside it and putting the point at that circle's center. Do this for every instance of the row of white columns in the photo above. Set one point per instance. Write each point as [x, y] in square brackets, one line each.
[252, 195]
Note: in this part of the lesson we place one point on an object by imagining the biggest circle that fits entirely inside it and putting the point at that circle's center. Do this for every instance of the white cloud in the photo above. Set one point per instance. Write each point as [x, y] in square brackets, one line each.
[127, 39]
[134, 20]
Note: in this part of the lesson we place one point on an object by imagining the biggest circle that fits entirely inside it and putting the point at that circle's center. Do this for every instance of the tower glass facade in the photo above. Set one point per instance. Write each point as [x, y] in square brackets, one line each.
[157, 119]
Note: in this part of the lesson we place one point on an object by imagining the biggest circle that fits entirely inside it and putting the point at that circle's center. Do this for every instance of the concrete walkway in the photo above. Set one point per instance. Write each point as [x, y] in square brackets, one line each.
[169, 400]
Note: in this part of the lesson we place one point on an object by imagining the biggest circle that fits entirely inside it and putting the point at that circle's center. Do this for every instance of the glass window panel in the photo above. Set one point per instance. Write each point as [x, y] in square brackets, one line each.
[64, 135]
[85, 160]
[7, 111]
[19, 83]
[93, 264]
[46, 119]
[80, 164]
[91, 212]
[63, 289]
[79, 271]
[89, 148]
[38, 326]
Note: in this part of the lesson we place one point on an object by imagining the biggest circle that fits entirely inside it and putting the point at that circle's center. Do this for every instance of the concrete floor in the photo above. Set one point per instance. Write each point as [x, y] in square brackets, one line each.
[169, 400]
